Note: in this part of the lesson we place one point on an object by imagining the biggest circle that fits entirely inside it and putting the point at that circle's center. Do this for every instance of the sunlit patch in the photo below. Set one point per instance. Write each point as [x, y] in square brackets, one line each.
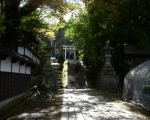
[24, 115]
[90, 104]
[44, 110]
[31, 115]
[23, 3]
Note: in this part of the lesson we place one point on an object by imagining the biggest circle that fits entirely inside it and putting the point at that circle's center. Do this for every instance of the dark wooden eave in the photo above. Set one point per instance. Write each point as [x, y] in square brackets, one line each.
[136, 50]
[5, 52]
[34, 52]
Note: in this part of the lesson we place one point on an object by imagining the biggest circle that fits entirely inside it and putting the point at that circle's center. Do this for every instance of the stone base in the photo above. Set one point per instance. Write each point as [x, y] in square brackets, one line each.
[107, 82]
[51, 79]
[55, 66]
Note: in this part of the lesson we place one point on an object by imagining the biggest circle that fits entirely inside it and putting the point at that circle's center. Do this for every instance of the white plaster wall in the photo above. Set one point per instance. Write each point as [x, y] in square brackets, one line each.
[31, 54]
[26, 51]
[15, 67]
[38, 60]
[21, 50]
[34, 58]
[6, 64]
[28, 70]
[23, 68]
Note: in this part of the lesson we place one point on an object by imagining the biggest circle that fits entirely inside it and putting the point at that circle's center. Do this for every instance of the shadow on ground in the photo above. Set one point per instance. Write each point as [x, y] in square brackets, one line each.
[117, 98]
[39, 109]
[52, 110]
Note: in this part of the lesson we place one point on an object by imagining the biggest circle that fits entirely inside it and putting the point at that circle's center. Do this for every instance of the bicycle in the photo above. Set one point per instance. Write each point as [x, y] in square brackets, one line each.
[47, 94]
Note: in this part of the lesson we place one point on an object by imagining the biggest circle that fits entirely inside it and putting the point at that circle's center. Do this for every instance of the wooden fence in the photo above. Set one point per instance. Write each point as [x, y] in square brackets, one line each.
[13, 84]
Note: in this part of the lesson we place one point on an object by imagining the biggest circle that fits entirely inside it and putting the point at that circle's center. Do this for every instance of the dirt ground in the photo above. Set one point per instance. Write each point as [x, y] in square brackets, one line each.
[56, 104]
[29, 106]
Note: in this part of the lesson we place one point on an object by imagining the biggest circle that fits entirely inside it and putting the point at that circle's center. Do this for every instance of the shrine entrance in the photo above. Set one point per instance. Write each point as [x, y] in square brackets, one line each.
[69, 51]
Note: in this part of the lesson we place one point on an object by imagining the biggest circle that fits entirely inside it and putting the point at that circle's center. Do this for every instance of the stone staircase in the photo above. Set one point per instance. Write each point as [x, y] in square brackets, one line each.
[75, 82]
[59, 75]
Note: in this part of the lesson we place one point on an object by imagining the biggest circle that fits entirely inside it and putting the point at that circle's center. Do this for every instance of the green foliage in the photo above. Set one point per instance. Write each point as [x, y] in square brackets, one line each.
[120, 22]
[2, 27]
[64, 73]
[26, 22]
[91, 75]
[32, 25]
[146, 89]
[41, 49]
[61, 61]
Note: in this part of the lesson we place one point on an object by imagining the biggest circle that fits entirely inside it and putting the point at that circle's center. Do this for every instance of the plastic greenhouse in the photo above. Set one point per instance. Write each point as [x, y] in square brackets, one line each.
[137, 85]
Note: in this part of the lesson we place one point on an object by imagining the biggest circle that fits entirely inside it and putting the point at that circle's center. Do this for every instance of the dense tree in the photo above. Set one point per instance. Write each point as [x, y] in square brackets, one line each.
[28, 20]
[119, 22]
[2, 27]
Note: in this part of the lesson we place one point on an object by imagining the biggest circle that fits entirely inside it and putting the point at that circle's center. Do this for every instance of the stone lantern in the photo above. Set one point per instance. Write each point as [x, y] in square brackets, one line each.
[107, 56]
[48, 71]
[107, 79]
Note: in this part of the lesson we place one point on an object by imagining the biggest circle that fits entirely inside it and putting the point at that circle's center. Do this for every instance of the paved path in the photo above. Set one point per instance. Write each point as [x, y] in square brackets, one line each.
[81, 103]
[88, 104]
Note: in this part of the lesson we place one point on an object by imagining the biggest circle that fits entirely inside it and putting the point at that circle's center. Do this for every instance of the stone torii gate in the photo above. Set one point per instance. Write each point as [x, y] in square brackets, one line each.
[69, 47]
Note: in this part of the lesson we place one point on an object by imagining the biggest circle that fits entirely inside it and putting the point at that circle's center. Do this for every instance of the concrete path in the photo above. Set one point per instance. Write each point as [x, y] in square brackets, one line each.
[88, 104]
[81, 103]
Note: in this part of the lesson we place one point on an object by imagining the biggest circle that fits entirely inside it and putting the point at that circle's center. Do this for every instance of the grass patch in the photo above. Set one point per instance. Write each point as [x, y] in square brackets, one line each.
[64, 72]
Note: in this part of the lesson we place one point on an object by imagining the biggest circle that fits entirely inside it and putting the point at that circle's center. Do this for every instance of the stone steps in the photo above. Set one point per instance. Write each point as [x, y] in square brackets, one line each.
[59, 75]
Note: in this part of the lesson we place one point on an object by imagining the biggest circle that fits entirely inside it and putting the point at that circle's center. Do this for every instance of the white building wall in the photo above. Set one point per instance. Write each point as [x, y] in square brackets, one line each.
[26, 52]
[23, 68]
[30, 54]
[6, 64]
[38, 60]
[21, 50]
[15, 67]
[28, 70]
[34, 58]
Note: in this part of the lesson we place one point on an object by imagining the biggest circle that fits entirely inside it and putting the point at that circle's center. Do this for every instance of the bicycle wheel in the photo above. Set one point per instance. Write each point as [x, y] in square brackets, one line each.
[51, 87]
[34, 95]
[48, 95]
